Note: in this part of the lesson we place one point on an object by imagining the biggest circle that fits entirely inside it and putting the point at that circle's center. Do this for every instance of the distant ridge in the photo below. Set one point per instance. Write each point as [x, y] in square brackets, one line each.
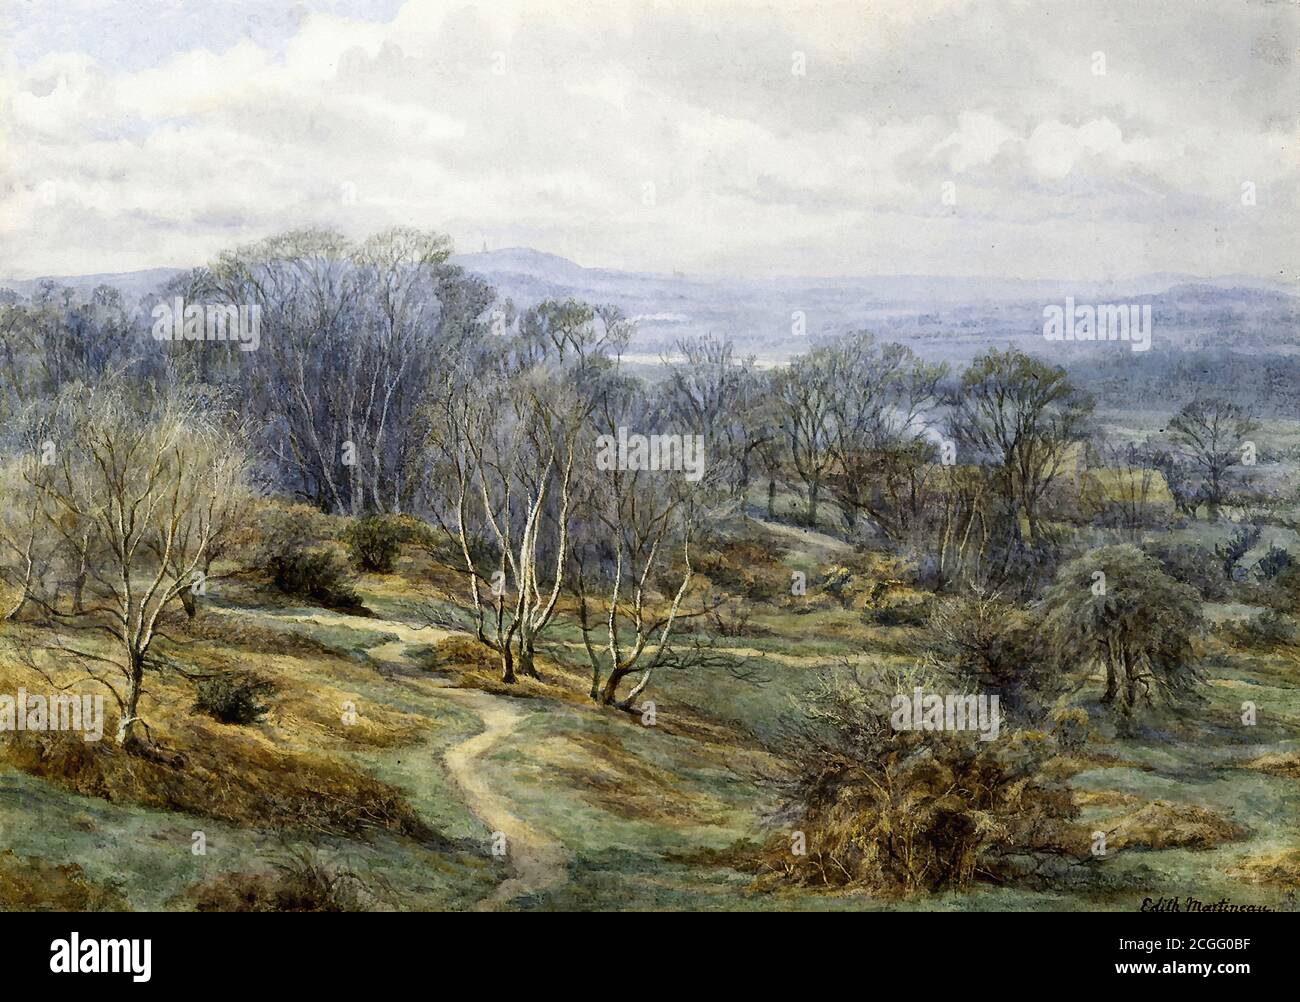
[132, 284]
[544, 266]
[773, 318]
[521, 260]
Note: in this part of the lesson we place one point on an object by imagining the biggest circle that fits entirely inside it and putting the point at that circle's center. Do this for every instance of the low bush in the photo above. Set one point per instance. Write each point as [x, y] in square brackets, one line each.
[299, 564]
[1269, 629]
[744, 568]
[1235, 547]
[374, 543]
[903, 811]
[233, 698]
[899, 614]
[1070, 729]
[301, 882]
[989, 642]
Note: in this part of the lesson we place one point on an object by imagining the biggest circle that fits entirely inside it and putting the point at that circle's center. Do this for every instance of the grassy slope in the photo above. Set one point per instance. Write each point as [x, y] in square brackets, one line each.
[619, 802]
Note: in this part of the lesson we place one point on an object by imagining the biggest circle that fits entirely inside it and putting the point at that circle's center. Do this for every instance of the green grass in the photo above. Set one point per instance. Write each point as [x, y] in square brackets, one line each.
[631, 805]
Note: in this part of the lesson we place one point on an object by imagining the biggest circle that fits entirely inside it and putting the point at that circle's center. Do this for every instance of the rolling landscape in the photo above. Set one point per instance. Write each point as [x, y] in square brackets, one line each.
[327, 715]
[648, 457]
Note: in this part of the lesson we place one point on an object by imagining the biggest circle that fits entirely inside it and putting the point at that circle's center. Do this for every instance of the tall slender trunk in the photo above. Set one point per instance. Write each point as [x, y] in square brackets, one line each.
[127, 726]
[1130, 685]
[79, 587]
[29, 567]
[771, 497]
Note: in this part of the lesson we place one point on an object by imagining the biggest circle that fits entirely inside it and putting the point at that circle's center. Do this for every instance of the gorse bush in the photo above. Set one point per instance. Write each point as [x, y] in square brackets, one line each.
[301, 882]
[1115, 609]
[234, 698]
[744, 568]
[316, 574]
[1070, 728]
[987, 641]
[902, 811]
[374, 543]
[839, 582]
[299, 564]
[901, 614]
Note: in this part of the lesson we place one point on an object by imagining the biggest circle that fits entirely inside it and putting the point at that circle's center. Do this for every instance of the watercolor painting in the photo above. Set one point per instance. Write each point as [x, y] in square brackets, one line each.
[649, 456]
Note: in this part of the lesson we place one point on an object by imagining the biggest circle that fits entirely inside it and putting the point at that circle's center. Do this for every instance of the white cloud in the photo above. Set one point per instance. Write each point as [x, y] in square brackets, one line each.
[542, 123]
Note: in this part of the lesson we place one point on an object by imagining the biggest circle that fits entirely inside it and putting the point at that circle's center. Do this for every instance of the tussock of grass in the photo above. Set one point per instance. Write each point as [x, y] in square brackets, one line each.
[226, 775]
[1281, 868]
[34, 885]
[300, 882]
[1165, 825]
[1277, 764]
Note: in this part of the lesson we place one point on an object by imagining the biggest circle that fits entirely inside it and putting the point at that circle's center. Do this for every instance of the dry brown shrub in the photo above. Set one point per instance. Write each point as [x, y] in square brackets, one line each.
[301, 881]
[223, 774]
[901, 812]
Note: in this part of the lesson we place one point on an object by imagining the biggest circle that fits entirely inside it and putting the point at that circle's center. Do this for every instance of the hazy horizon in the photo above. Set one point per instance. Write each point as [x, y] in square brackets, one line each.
[460, 254]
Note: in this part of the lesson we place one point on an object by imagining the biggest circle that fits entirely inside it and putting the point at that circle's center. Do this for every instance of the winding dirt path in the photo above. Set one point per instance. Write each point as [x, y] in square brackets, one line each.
[539, 861]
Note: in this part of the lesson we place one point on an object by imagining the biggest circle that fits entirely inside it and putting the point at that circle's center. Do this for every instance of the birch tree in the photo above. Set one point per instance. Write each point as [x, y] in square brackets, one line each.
[153, 484]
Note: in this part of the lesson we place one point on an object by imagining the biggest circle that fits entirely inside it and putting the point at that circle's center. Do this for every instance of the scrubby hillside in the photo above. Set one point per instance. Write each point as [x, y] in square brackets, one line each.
[388, 767]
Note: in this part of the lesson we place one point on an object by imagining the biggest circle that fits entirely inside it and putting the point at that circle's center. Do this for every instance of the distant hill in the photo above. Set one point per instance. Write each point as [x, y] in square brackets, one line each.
[940, 317]
[132, 284]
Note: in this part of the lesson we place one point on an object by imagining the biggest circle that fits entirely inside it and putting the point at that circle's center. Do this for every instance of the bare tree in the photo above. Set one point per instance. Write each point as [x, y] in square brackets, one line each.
[643, 522]
[719, 395]
[153, 483]
[804, 392]
[882, 456]
[1212, 433]
[24, 548]
[631, 557]
[523, 462]
[507, 426]
[1023, 416]
[352, 335]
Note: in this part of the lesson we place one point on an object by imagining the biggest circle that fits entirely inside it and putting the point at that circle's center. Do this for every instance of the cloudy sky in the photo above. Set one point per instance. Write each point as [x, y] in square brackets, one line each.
[1073, 139]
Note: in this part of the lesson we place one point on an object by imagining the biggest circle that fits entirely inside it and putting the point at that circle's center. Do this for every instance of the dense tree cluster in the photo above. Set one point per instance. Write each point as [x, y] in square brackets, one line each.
[387, 382]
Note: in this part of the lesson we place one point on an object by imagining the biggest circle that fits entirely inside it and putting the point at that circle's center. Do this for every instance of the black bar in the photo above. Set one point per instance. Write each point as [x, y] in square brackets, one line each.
[364, 951]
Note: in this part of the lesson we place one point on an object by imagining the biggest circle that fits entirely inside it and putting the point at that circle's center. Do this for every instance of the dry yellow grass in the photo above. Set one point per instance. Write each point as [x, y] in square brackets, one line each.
[1277, 764]
[274, 774]
[1165, 825]
[30, 884]
[1281, 868]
